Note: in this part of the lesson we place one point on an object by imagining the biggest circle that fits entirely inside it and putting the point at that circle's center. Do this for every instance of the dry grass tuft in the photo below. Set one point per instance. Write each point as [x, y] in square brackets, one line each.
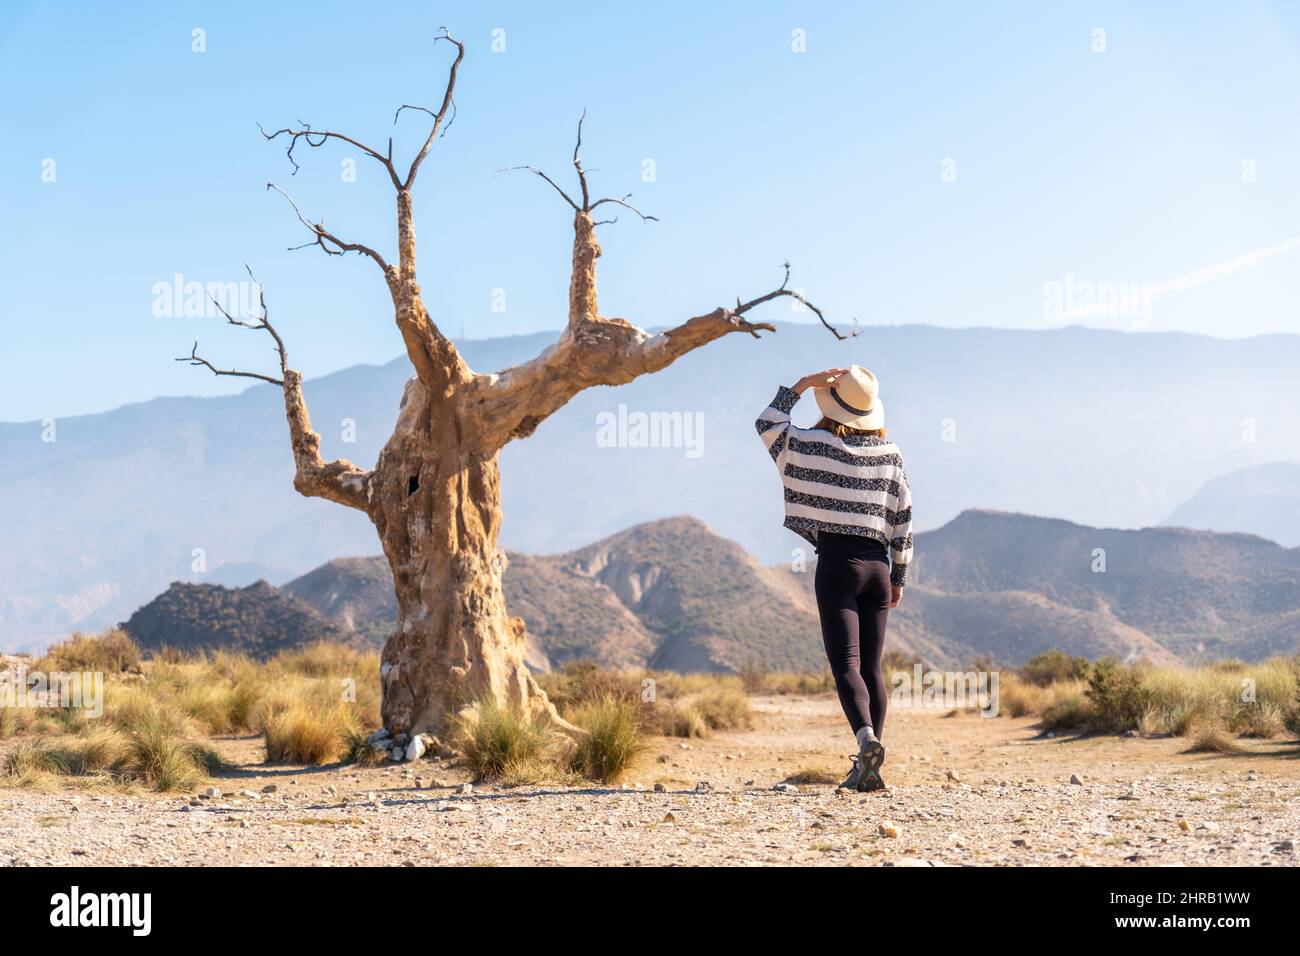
[493, 739]
[613, 739]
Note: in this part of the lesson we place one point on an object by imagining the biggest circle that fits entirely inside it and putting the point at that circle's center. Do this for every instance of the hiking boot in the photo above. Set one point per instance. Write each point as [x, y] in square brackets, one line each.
[851, 781]
[871, 754]
[871, 781]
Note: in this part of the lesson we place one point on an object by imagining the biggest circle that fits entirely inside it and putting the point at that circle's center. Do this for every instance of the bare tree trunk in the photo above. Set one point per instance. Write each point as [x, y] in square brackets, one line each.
[435, 493]
[437, 506]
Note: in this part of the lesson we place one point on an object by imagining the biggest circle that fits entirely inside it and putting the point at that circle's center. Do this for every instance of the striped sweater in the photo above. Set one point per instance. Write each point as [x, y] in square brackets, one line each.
[850, 485]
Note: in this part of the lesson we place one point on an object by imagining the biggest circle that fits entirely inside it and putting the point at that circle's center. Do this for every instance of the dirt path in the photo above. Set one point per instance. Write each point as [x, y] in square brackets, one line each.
[1140, 802]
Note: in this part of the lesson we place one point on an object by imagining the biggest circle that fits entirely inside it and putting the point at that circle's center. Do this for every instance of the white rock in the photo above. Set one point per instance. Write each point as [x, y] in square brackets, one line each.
[416, 748]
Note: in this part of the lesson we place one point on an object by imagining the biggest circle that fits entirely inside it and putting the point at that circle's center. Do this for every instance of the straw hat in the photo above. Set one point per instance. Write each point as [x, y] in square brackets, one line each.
[853, 400]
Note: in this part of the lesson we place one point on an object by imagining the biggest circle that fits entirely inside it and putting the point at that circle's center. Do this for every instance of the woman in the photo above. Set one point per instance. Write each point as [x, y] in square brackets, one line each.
[846, 492]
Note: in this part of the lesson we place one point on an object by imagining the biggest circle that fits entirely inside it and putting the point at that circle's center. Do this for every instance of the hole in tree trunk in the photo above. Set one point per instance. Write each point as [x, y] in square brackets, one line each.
[412, 485]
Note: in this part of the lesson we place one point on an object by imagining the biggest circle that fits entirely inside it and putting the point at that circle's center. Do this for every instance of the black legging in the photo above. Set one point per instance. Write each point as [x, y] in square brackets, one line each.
[852, 585]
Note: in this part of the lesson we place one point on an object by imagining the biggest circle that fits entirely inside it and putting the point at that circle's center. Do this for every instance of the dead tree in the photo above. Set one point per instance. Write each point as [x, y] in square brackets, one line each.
[434, 494]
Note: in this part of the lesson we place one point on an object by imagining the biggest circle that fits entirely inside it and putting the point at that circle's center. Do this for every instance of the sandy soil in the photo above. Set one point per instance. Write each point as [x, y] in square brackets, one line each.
[963, 790]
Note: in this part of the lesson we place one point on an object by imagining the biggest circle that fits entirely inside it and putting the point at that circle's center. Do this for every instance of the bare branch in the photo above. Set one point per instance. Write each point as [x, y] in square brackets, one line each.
[626, 205]
[257, 324]
[577, 164]
[587, 205]
[340, 480]
[538, 172]
[195, 359]
[743, 307]
[324, 236]
[317, 138]
[448, 103]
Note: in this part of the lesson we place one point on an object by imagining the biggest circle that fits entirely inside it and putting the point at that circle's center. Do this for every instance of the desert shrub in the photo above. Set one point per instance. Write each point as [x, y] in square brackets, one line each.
[757, 681]
[302, 733]
[1264, 720]
[1070, 710]
[670, 719]
[613, 738]
[1054, 666]
[493, 738]
[324, 659]
[1018, 697]
[163, 761]
[581, 681]
[112, 652]
[1211, 737]
[1117, 697]
[724, 708]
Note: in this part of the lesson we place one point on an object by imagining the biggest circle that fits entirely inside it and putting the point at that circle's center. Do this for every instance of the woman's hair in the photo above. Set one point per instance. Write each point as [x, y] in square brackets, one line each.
[840, 430]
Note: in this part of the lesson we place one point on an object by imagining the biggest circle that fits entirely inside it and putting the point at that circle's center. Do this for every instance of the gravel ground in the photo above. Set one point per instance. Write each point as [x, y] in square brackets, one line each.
[963, 790]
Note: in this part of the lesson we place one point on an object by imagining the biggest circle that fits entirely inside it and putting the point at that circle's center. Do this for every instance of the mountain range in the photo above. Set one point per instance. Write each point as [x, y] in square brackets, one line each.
[1097, 427]
[675, 595]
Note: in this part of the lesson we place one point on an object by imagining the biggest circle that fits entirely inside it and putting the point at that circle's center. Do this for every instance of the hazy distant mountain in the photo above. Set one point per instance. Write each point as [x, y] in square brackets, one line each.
[258, 620]
[669, 594]
[1091, 425]
[1197, 593]
[1004, 587]
[1263, 500]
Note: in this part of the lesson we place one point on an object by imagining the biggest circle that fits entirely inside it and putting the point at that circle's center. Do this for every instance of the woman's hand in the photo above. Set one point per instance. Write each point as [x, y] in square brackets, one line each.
[822, 379]
[895, 594]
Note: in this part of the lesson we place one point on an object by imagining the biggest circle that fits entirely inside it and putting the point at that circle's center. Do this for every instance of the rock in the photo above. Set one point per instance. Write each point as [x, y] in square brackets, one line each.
[465, 788]
[249, 795]
[1184, 826]
[668, 818]
[416, 748]
[1211, 826]
[1021, 842]
[1284, 846]
[211, 793]
[888, 829]
[377, 736]
[418, 783]
[954, 776]
[397, 753]
[909, 861]
[703, 787]
[1076, 780]
[786, 788]
[272, 788]
[660, 788]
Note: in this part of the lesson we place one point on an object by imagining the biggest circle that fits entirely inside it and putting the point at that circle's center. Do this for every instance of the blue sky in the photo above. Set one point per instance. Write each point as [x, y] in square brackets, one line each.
[1123, 166]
